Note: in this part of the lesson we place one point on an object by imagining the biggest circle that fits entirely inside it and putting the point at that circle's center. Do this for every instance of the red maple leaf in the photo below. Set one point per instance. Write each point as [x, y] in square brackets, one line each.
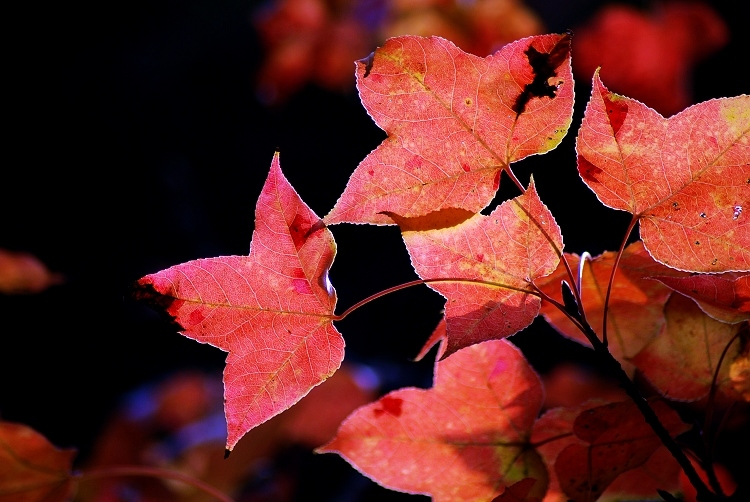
[31, 468]
[465, 439]
[684, 178]
[272, 310]
[454, 121]
[516, 244]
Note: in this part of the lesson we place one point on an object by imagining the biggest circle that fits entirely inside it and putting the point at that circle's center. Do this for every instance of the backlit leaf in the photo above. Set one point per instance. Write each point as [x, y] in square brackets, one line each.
[725, 297]
[682, 360]
[271, 310]
[635, 307]
[31, 468]
[516, 244]
[685, 178]
[454, 121]
[465, 439]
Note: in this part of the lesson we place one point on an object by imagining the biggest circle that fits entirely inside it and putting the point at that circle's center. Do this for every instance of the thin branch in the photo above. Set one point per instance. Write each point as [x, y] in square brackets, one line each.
[419, 282]
[633, 221]
[704, 494]
[560, 307]
[154, 472]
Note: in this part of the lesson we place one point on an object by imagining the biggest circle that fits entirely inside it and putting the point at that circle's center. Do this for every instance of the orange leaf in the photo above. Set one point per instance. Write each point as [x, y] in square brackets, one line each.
[465, 439]
[636, 305]
[685, 178]
[272, 310]
[454, 121]
[682, 360]
[31, 468]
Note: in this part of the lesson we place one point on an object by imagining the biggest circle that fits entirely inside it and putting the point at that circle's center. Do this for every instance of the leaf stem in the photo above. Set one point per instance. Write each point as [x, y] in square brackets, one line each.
[633, 221]
[513, 178]
[418, 282]
[560, 307]
[154, 472]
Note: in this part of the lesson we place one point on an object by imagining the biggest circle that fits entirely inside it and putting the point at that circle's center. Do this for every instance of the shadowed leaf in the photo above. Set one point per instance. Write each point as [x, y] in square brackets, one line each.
[465, 439]
[31, 468]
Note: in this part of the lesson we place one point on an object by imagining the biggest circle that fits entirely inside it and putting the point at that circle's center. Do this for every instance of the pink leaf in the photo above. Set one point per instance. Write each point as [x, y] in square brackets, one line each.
[454, 121]
[685, 178]
[272, 310]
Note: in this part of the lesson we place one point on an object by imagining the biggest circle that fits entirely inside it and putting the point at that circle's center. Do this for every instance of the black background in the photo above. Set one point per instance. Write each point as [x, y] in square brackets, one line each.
[134, 141]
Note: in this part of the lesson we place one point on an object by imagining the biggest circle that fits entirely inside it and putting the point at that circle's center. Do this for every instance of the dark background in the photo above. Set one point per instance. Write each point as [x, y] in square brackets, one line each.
[134, 141]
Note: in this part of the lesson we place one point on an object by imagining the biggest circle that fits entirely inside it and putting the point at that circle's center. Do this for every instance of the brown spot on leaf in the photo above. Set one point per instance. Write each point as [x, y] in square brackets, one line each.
[544, 66]
[587, 170]
[301, 229]
[164, 303]
[444, 218]
[496, 181]
[617, 110]
[368, 61]
[390, 405]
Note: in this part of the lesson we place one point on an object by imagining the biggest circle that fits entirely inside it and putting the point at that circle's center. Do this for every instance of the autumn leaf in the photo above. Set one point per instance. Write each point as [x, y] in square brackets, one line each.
[592, 446]
[454, 121]
[684, 178]
[516, 244]
[635, 306]
[649, 55]
[682, 360]
[725, 297]
[272, 310]
[31, 468]
[465, 439]
[22, 273]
